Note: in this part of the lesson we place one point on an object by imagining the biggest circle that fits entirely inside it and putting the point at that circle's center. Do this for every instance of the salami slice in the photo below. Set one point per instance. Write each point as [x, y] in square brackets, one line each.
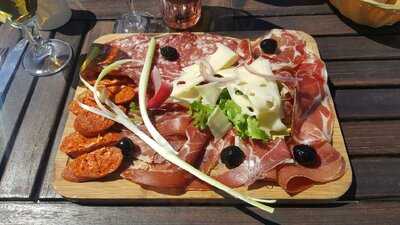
[93, 165]
[124, 95]
[91, 125]
[76, 144]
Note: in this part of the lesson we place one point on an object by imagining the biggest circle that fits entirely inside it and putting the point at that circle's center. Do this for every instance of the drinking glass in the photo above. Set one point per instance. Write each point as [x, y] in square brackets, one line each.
[42, 57]
[131, 22]
[181, 14]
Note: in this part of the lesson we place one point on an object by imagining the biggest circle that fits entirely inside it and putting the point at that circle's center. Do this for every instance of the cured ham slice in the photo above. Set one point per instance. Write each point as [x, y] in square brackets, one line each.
[150, 169]
[297, 178]
[260, 158]
[172, 125]
[290, 53]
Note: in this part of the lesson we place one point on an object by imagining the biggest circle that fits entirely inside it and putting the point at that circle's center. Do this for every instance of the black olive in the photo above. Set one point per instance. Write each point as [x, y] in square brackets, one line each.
[268, 46]
[218, 76]
[232, 156]
[239, 92]
[169, 53]
[305, 155]
[126, 145]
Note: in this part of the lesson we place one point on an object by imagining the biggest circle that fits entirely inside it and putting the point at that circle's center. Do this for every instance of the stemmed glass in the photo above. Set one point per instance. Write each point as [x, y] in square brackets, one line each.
[138, 22]
[133, 21]
[43, 57]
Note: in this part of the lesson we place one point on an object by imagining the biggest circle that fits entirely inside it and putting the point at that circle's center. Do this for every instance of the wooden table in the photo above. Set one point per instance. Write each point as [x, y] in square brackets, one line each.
[363, 65]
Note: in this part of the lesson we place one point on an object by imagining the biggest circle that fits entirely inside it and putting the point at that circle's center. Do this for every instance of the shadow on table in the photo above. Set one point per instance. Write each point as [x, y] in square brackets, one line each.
[69, 29]
[215, 19]
[291, 2]
[219, 19]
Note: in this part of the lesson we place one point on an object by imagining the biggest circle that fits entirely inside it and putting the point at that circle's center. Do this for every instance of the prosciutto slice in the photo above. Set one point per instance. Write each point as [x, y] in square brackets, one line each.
[260, 159]
[290, 53]
[296, 178]
[149, 169]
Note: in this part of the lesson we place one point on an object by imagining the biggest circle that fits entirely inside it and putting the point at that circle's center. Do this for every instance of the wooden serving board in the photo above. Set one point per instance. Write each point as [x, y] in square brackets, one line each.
[125, 190]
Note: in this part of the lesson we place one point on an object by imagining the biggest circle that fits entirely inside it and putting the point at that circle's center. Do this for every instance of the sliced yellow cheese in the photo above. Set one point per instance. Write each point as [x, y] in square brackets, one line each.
[209, 93]
[224, 57]
[258, 96]
[184, 89]
[218, 123]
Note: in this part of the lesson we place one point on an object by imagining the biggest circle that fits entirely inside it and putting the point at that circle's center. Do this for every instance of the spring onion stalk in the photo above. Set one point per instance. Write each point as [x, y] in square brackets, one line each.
[143, 82]
[116, 114]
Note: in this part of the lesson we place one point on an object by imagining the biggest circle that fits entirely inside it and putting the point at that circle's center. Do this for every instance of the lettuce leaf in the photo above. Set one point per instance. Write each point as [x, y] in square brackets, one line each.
[244, 125]
[254, 131]
[200, 114]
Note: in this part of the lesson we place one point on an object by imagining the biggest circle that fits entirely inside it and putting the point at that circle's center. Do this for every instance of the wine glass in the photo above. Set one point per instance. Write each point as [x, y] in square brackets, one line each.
[42, 57]
[131, 22]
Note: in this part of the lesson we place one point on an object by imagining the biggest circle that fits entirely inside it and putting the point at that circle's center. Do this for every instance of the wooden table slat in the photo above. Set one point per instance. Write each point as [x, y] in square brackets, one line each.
[332, 24]
[18, 96]
[364, 104]
[36, 129]
[375, 178]
[283, 7]
[387, 213]
[354, 74]
[372, 138]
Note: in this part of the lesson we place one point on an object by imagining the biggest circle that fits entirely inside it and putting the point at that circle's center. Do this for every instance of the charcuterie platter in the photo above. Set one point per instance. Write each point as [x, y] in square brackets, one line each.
[288, 147]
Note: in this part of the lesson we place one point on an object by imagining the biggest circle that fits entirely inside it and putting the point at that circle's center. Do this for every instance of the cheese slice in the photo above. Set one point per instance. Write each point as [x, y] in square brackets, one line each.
[209, 93]
[183, 89]
[258, 96]
[224, 57]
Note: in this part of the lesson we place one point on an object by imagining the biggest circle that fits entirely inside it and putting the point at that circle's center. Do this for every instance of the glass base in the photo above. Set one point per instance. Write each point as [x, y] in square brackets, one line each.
[131, 23]
[49, 59]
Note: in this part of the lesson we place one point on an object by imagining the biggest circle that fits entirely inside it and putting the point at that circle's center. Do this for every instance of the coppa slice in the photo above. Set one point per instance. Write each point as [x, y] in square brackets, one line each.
[76, 144]
[93, 165]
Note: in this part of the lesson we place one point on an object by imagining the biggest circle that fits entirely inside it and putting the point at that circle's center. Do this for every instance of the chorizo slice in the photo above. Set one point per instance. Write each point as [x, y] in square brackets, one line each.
[125, 95]
[85, 98]
[76, 144]
[76, 109]
[91, 125]
[93, 165]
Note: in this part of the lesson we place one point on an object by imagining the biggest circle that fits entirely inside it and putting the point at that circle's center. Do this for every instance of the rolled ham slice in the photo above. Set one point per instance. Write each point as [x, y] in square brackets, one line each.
[296, 178]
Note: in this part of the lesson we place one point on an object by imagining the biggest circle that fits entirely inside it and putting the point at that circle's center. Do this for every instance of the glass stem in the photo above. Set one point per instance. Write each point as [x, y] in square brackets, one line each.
[132, 7]
[40, 47]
